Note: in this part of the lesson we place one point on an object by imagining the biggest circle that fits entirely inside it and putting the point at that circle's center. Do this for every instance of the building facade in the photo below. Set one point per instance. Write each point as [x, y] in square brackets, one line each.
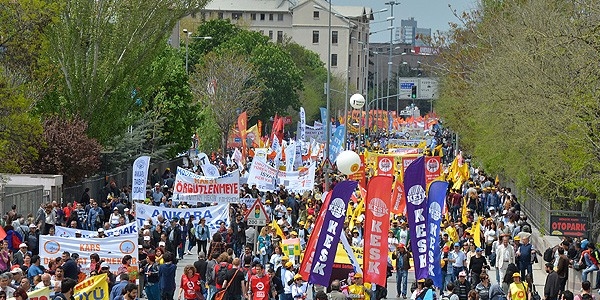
[305, 22]
[410, 33]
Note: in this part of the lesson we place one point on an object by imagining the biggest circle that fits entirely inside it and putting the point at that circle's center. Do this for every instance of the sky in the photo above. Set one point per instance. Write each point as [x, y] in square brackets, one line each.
[434, 14]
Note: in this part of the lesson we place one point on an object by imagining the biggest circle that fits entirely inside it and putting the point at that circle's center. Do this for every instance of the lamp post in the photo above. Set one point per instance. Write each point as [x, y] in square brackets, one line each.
[328, 125]
[391, 4]
[187, 41]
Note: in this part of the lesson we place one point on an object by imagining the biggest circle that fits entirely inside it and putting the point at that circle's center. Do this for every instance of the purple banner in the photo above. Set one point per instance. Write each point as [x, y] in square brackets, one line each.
[435, 200]
[329, 236]
[416, 213]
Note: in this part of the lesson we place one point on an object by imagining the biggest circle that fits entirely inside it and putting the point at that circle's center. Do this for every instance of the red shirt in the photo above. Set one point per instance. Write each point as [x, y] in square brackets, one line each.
[260, 287]
[190, 286]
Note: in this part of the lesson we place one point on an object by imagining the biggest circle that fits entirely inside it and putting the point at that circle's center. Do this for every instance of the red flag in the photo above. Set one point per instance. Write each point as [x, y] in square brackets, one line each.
[432, 168]
[2, 233]
[242, 126]
[312, 240]
[398, 198]
[377, 225]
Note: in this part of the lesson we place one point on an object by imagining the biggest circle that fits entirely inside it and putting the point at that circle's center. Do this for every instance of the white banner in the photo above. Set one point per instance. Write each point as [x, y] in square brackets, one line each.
[110, 250]
[213, 214]
[192, 188]
[267, 178]
[140, 177]
[302, 125]
[126, 229]
[290, 156]
[313, 132]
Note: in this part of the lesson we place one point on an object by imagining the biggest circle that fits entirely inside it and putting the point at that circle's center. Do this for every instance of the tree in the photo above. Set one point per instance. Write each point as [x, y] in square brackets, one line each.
[67, 150]
[523, 101]
[281, 77]
[102, 49]
[173, 100]
[227, 83]
[146, 137]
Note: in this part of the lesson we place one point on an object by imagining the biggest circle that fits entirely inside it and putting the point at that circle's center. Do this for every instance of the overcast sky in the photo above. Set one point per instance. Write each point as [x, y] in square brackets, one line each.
[434, 14]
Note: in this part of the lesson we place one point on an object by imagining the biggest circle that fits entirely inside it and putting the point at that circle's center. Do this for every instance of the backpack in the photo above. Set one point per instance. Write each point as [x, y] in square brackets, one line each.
[221, 274]
[421, 295]
[549, 254]
[446, 296]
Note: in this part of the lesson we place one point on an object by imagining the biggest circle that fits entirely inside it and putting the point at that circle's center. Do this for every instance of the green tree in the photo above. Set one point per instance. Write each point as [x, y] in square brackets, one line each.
[103, 49]
[522, 99]
[20, 132]
[173, 100]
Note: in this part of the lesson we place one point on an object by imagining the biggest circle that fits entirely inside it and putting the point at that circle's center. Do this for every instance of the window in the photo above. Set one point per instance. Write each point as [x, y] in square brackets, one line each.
[203, 16]
[270, 17]
[220, 16]
[280, 36]
[262, 32]
[262, 17]
[270, 34]
[316, 14]
[358, 61]
[236, 15]
[315, 37]
[334, 37]
[253, 17]
[279, 17]
[334, 60]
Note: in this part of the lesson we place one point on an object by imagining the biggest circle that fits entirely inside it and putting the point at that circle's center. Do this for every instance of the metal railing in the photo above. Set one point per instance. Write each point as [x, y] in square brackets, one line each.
[27, 200]
[537, 209]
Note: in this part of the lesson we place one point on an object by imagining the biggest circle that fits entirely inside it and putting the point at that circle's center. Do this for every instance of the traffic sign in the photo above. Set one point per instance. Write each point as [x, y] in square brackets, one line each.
[257, 216]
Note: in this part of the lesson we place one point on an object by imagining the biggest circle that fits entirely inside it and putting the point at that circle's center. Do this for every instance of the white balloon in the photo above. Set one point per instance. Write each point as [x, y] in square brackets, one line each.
[348, 162]
[357, 101]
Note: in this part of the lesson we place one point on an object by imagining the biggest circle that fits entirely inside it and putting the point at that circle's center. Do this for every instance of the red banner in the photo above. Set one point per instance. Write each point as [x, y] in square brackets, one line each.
[433, 168]
[398, 198]
[312, 241]
[406, 161]
[385, 165]
[360, 174]
[377, 225]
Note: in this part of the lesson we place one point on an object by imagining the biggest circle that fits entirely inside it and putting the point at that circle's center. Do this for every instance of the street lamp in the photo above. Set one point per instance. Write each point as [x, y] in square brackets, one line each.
[187, 37]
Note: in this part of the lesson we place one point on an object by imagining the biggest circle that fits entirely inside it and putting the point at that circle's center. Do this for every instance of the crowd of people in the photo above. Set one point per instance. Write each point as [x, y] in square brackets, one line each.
[485, 242]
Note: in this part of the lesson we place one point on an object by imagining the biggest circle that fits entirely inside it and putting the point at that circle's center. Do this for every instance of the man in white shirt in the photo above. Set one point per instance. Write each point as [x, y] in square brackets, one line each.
[5, 287]
[458, 264]
[505, 255]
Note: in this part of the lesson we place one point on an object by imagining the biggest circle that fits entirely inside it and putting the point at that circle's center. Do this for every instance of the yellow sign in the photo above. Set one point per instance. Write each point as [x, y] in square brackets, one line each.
[291, 247]
[95, 288]
[41, 294]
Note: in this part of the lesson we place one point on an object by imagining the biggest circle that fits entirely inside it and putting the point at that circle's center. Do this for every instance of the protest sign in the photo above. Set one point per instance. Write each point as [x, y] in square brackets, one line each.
[126, 229]
[213, 214]
[192, 188]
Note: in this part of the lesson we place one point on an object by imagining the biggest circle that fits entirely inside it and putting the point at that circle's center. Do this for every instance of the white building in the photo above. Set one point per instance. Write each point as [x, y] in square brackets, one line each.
[306, 23]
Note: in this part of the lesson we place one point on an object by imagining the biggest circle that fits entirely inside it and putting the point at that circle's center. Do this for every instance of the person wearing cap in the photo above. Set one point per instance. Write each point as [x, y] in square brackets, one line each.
[19, 256]
[402, 258]
[299, 288]
[359, 290]
[287, 279]
[105, 269]
[392, 241]
[476, 266]
[462, 286]
[157, 194]
[458, 260]
[517, 290]
[280, 209]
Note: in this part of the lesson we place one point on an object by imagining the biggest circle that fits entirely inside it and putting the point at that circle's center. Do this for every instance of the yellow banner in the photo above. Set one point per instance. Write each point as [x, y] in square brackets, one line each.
[93, 288]
[291, 247]
[41, 294]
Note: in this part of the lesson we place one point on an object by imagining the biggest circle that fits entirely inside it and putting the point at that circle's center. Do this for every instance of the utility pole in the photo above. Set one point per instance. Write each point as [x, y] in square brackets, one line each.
[391, 4]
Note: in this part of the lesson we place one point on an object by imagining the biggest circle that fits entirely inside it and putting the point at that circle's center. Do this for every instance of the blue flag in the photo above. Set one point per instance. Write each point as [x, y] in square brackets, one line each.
[435, 200]
[337, 142]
